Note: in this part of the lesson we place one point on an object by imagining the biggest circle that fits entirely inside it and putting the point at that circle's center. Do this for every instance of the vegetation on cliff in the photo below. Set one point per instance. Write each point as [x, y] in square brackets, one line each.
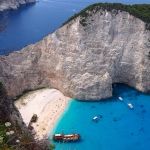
[141, 11]
[12, 135]
[1, 89]
[4, 113]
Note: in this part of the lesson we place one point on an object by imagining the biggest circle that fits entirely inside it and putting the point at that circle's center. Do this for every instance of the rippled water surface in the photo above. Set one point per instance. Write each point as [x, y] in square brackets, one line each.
[120, 128]
[30, 24]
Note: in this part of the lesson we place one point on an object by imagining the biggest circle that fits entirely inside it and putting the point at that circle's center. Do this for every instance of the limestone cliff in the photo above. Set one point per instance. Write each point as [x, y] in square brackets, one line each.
[83, 60]
[13, 4]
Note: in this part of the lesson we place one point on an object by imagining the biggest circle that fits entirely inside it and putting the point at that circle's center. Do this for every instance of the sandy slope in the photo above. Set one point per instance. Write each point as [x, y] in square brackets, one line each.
[48, 104]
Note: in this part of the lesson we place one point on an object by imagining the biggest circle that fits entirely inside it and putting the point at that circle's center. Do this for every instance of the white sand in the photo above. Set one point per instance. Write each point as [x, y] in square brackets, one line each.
[48, 104]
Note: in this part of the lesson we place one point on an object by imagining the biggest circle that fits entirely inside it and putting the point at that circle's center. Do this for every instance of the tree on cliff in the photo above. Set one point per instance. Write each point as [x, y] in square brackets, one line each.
[141, 11]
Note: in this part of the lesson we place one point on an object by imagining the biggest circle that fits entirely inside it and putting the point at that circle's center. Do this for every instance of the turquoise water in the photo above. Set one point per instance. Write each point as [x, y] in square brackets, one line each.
[120, 128]
[30, 24]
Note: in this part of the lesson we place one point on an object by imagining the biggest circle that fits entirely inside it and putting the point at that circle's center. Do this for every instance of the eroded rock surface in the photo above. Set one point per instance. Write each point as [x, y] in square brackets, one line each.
[83, 61]
[13, 4]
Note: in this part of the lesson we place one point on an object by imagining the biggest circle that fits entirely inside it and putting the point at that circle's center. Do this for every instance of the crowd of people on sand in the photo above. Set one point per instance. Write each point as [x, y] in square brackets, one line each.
[42, 110]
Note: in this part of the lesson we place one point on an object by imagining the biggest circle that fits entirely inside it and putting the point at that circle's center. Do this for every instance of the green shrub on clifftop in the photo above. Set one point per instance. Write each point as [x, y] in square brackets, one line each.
[141, 11]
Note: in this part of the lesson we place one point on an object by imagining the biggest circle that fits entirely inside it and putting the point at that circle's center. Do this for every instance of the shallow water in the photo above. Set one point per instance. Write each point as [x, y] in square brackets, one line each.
[120, 128]
[30, 24]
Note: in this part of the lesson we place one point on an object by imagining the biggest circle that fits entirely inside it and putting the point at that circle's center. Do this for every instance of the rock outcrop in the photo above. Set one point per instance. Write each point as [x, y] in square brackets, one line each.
[83, 60]
[13, 4]
[9, 113]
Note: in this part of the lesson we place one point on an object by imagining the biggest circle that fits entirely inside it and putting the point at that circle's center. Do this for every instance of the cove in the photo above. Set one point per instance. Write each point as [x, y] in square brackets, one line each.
[120, 128]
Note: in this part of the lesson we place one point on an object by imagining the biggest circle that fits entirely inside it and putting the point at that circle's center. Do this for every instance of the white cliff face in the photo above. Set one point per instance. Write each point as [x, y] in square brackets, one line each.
[13, 4]
[84, 61]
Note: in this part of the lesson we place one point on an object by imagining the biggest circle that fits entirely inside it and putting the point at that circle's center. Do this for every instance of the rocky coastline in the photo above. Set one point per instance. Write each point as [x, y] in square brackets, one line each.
[13, 4]
[83, 60]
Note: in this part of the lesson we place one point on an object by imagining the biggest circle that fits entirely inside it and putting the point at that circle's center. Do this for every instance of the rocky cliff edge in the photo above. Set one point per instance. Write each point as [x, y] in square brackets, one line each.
[83, 60]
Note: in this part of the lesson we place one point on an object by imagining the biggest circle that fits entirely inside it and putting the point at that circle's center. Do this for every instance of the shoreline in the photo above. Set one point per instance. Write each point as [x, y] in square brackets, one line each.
[5, 6]
[59, 119]
[48, 104]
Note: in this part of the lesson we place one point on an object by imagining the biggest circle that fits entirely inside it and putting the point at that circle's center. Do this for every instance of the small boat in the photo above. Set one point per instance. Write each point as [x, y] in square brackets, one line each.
[130, 106]
[120, 98]
[66, 137]
[96, 118]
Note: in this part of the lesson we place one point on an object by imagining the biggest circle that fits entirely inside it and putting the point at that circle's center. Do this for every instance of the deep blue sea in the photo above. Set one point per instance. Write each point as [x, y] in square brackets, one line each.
[120, 128]
[30, 24]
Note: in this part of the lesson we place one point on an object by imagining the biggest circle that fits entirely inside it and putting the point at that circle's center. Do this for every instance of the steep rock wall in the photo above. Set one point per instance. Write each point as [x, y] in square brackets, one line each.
[84, 60]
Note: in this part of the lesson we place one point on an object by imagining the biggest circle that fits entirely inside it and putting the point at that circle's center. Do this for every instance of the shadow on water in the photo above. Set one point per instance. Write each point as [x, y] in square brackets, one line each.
[3, 21]
[121, 88]
[118, 89]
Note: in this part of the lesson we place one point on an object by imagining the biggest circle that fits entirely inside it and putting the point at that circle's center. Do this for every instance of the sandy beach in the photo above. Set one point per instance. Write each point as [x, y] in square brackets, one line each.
[47, 104]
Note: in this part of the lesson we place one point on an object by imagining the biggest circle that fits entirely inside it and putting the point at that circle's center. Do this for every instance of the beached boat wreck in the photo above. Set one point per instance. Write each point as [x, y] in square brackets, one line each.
[66, 138]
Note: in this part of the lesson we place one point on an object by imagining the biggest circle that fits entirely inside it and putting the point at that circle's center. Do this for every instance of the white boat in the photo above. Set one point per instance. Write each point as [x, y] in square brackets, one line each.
[130, 106]
[96, 118]
[120, 98]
